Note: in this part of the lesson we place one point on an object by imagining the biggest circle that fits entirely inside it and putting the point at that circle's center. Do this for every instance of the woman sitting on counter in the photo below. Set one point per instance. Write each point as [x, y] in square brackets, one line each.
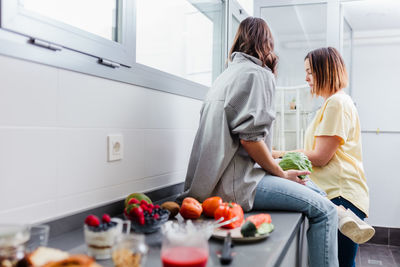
[234, 134]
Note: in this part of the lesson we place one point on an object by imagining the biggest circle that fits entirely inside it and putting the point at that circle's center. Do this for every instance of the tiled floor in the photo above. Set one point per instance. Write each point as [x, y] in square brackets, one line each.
[371, 255]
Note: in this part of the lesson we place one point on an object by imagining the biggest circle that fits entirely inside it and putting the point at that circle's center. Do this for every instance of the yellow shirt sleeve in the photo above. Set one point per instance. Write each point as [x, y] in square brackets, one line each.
[335, 121]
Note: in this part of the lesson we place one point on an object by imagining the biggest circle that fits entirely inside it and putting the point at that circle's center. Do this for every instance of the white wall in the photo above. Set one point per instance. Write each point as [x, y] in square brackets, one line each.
[53, 149]
[376, 92]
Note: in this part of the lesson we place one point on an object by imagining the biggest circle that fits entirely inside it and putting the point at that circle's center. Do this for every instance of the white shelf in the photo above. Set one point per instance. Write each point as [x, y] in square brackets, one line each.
[297, 123]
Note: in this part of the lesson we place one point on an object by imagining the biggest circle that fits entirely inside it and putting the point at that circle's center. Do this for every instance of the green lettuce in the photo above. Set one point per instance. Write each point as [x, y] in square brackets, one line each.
[296, 161]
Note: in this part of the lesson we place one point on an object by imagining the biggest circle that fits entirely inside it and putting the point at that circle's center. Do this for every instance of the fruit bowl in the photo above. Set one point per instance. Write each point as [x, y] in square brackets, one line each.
[151, 225]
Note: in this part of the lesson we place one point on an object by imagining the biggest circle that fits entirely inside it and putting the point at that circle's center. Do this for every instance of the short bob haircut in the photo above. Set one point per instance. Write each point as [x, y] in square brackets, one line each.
[328, 70]
[254, 38]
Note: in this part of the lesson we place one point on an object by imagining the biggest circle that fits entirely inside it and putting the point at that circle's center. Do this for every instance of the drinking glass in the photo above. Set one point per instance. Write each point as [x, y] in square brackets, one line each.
[100, 240]
[184, 245]
[39, 237]
[13, 238]
[129, 250]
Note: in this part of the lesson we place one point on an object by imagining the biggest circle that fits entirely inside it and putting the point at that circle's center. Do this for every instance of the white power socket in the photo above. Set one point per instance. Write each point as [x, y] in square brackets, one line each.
[115, 147]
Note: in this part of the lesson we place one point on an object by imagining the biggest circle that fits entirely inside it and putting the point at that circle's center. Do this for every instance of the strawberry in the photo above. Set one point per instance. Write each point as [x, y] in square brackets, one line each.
[137, 214]
[106, 218]
[156, 216]
[92, 220]
[143, 202]
[133, 201]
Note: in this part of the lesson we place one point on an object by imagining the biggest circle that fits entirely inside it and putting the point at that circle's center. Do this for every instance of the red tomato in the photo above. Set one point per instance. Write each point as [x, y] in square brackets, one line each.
[190, 208]
[228, 211]
[210, 205]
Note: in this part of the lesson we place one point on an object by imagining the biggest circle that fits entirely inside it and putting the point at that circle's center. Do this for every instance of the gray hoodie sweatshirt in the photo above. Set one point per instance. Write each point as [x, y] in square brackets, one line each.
[239, 105]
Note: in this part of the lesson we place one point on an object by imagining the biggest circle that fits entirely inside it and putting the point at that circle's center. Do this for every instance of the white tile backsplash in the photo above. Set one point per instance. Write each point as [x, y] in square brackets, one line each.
[53, 140]
[28, 93]
[28, 166]
[167, 151]
[88, 101]
[166, 111]
[31, 213]
[98, 197]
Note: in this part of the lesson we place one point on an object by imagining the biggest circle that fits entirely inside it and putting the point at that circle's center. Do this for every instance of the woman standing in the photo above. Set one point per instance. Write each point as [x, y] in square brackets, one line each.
[333, 145]
[234, 134]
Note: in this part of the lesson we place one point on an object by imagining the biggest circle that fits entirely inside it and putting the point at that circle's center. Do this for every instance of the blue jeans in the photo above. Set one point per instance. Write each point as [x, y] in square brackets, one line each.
[347, 248]
[275, 193]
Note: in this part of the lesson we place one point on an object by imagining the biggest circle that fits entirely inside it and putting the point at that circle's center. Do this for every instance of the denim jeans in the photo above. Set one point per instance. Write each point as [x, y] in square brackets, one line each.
[275, 193]
[347, 248]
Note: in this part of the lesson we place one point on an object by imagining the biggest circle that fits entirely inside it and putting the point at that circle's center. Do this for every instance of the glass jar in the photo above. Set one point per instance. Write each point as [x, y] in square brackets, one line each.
[13, 239]
[129, 250]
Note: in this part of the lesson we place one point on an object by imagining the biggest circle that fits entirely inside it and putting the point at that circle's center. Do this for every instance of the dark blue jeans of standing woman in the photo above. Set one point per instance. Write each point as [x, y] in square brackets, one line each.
[347, 249]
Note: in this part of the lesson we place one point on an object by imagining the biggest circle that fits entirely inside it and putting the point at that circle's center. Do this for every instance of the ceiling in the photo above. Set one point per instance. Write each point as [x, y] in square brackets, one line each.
[377, 19]
[372, 15]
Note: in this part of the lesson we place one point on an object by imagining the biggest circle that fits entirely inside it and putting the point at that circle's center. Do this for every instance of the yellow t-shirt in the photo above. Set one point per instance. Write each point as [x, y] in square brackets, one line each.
[344, 174]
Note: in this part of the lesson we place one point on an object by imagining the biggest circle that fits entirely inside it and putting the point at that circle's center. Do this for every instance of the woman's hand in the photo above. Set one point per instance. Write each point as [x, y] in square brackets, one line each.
[292, 175]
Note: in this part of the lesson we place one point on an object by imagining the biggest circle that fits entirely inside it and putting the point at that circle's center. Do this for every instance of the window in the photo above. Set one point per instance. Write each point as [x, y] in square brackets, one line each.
[305, 29]
[105, 22]
[179, 38]
[236, 15]
[248, 6]
[347, 51]
[97, 28]
[176, 46]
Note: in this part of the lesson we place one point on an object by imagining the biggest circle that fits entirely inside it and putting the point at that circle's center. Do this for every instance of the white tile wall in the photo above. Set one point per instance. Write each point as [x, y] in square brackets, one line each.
[28, 166]
[28, 93]
[53, 140]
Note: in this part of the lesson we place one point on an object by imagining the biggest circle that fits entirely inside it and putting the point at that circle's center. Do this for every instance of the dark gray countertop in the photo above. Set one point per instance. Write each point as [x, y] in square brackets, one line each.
[268, 252]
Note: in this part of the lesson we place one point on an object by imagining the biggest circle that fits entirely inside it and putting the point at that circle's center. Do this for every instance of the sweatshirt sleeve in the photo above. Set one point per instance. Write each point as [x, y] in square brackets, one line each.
[250, 109]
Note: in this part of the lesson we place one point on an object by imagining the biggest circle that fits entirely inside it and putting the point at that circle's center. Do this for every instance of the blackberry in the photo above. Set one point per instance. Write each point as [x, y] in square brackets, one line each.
[163, 211]
[146, 215]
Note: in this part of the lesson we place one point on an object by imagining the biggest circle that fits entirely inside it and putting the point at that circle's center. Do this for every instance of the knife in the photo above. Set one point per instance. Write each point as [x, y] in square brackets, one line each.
[226, 255]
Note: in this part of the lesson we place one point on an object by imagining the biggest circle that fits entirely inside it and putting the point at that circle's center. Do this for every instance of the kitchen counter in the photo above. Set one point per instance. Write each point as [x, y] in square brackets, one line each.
[284, 247]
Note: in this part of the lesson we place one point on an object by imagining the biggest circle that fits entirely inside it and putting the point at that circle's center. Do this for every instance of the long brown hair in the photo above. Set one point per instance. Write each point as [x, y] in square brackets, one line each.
[328, 70]
[255, 39]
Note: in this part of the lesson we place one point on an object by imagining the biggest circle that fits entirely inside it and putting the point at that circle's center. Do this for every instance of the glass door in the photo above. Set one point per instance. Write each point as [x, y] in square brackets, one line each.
[236, 14]
[297, 29]
[347, 52]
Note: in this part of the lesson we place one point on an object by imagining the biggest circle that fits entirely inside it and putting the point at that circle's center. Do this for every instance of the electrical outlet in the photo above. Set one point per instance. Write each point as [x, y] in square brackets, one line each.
[115, 147]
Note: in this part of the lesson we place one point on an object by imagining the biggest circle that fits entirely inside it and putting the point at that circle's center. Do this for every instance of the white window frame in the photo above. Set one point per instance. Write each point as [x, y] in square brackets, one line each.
[24, 35]
[56, 35]
[234, 11]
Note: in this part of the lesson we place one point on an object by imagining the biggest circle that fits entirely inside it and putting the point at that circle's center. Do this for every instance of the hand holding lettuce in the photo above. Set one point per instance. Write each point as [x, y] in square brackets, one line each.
[296, 161]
